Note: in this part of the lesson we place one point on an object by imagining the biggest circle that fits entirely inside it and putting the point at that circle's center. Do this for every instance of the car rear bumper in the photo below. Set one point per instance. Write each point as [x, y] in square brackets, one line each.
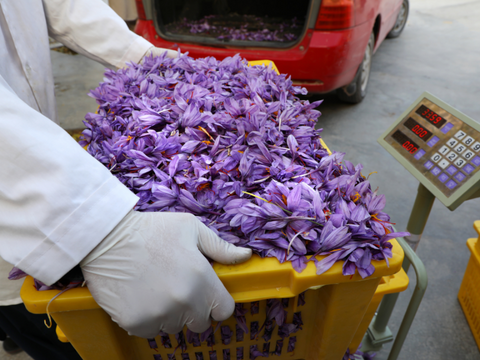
[321, 62]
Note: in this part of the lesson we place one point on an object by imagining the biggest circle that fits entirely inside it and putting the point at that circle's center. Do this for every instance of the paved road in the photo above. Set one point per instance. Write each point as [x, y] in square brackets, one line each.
[439, 51]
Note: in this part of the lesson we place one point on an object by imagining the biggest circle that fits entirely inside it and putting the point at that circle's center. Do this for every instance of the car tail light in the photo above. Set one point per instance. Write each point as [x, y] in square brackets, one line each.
[140, 10]
[335, 15]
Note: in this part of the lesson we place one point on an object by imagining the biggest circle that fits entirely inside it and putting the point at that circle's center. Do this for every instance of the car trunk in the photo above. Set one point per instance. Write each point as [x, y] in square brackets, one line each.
[242, 23]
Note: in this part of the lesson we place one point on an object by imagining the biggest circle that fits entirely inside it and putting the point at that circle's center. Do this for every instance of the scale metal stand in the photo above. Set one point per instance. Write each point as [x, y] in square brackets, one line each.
[440, 146]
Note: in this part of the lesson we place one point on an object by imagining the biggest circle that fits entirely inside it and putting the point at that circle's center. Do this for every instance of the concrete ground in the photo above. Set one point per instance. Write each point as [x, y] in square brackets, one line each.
[439, 51]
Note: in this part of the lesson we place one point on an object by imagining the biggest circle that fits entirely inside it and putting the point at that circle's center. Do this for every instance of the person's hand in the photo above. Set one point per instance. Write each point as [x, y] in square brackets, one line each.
[156, 51]
[150, 274]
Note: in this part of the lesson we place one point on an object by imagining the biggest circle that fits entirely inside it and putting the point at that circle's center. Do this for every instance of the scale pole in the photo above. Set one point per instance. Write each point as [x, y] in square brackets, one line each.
[419, 216]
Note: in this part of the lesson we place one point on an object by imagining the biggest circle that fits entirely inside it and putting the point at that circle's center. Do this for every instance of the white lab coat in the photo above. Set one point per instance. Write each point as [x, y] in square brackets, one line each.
[56, 201]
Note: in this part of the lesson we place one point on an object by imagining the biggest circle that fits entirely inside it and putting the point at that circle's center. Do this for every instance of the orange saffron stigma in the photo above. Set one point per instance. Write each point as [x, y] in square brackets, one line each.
[284, 199]
[203, 186]
[355, 197]
[206, 132]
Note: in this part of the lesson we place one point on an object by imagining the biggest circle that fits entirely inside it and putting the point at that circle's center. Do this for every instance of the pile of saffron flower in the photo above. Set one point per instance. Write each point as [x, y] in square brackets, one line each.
[236, 147]
[237, 27]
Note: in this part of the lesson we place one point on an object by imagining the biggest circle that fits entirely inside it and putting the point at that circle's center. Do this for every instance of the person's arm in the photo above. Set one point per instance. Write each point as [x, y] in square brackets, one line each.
[92, 28]
[56, 201]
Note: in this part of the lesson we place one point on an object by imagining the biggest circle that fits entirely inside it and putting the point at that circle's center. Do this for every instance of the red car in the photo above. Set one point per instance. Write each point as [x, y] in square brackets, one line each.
[322, 44]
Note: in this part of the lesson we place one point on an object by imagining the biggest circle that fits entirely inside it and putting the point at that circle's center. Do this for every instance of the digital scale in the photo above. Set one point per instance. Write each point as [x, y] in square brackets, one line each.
[440, 146]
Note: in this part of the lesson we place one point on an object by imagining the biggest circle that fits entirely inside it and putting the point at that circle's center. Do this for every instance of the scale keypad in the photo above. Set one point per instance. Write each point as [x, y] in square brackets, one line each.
[443, 148]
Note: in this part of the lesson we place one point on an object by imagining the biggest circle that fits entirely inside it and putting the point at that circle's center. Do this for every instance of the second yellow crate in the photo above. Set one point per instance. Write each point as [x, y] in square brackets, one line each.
[469, 294]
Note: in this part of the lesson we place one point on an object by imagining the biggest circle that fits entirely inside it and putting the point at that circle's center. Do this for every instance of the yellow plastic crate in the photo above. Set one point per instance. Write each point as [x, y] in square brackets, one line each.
[469, 294]
[335, 316]
[333, 310]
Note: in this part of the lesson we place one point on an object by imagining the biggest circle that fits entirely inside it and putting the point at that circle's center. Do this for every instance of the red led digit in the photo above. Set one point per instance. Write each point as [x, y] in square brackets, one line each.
[410, 147]
[421, 132]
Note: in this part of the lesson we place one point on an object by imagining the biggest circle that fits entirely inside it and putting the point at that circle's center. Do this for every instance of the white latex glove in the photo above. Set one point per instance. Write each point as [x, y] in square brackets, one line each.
[156, 51]
[150, 275]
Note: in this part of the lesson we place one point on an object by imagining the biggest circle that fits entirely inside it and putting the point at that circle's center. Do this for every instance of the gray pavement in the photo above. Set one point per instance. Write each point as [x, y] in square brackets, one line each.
[439, 51]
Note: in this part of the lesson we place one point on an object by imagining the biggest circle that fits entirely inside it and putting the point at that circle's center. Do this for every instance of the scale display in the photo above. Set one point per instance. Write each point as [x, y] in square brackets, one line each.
[440, 146]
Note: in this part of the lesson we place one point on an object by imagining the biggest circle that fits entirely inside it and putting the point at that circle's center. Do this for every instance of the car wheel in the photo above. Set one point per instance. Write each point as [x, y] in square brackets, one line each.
[401, 21]
[355, 92]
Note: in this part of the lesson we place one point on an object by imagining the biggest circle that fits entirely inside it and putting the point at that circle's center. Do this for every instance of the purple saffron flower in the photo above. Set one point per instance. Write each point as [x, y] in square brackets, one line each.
[254, 307]
[226, 335]
[253, 330]
[239, 332]
[254, 352]
[226, 354]
[207, 336]
[240, 353]
[16, 274]
[269, 327]
[239, 315]
[276, 311]
[297, 319]
[291, 344]
[180, 337]
[301, 299]
[165, 340]
[152, 343]
[278, 347]
[236, 147]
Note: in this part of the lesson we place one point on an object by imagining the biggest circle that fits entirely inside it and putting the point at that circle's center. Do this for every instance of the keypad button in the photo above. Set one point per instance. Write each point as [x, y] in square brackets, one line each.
[452, 142]
[475, 147]
[459, 177]
[443, 177]
[468, 140]
[429, 165]
[460, 148]
[436, 158]
[460, 135]
[436, 170]
[444, 149]
[451, 184]
[452, 156]
[451, 169]
[443, 163]
[468, 154]
[459, 162]
[419, 154]
[433, 141]
[447, 127]
[467, 168]
[476, 161]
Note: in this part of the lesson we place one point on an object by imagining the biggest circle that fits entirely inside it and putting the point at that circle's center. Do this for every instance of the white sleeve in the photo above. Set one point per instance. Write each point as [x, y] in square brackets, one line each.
[92, 28]
[56, 201]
